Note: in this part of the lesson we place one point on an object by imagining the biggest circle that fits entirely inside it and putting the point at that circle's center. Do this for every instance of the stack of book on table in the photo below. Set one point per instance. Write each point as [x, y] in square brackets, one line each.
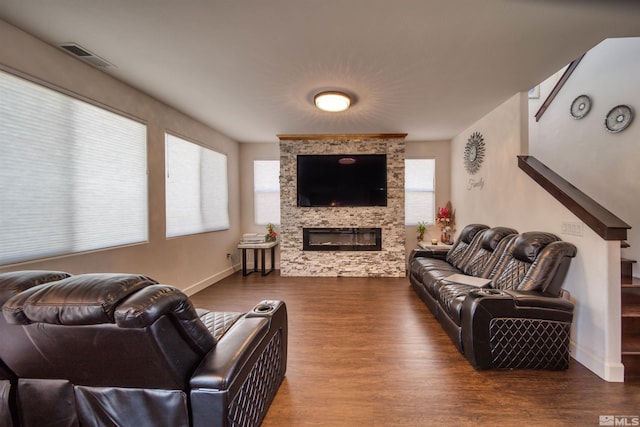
[253, 238]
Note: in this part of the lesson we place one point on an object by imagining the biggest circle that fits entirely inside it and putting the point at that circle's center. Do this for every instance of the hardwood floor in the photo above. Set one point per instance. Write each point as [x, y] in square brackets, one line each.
[367, 352]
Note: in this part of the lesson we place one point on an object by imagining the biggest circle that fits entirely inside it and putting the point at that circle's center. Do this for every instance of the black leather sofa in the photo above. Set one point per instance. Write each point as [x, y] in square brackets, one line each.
[123, 350]
[498, 295]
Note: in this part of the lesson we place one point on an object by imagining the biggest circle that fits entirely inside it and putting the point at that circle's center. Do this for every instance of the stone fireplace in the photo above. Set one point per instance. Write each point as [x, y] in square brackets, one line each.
[388, 259]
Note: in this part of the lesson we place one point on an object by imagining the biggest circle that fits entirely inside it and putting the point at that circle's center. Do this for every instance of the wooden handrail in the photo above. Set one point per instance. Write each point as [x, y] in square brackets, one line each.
[595, 216]
[565, 76]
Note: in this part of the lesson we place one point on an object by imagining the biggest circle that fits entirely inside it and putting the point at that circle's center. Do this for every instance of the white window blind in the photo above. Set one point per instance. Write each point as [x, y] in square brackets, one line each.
[196, 188]
[419, 187]
[266, 191]
[73, 176]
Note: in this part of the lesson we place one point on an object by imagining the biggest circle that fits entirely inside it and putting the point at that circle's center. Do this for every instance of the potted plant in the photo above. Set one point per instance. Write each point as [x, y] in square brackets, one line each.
[422, 227]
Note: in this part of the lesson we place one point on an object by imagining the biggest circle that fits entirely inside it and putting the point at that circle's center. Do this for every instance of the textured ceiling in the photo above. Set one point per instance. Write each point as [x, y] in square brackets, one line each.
[250, 68]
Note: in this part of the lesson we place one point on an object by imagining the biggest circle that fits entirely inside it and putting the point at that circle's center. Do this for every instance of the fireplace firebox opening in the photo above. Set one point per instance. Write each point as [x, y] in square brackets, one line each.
[342, 239]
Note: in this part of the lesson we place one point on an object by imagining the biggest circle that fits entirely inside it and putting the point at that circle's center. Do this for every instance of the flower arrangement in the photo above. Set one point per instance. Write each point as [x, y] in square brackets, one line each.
[446, 220]
[271, 235]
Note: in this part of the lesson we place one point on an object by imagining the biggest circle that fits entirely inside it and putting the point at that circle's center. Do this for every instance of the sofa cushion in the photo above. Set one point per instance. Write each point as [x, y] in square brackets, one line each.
[77, 300]
[451, 297]
[432, 280]
[548, 271]
[219, 322]
[421, 266]
[532, 262]
[458, 251]
[14, 282]
[528, 245]
[487, 251]
[146, 306]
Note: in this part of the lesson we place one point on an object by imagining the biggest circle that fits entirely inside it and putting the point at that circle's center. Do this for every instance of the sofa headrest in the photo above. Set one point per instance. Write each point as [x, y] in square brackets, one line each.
[147, 305]
[528, 245]
[493, 236]
[14, 282]
[85, 299]
[469, 232]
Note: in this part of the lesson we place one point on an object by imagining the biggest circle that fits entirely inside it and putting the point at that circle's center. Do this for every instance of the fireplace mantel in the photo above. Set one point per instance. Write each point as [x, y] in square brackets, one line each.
[341, 137]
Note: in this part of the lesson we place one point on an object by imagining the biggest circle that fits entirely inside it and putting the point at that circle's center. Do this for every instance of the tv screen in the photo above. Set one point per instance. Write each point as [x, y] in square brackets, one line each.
[342, 180]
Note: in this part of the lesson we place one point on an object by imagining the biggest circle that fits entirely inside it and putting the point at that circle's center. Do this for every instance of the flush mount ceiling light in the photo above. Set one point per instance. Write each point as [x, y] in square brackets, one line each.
[332, 101]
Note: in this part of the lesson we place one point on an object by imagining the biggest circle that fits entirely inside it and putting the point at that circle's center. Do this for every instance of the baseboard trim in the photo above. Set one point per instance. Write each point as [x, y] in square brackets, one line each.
[205, 283]
[608, 371]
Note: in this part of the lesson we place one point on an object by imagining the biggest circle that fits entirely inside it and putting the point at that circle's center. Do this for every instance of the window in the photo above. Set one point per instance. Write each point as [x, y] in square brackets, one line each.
[266, 191]
[196, 188]
[73, 176]
[419, 187]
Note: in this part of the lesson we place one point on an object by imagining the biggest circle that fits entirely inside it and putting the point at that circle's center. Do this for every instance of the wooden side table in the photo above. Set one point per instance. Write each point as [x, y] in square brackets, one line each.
[437, 251]
[262, 247]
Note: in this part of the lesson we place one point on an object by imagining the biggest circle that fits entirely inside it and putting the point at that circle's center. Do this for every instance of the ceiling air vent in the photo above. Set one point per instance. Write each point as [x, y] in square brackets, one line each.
[85, 55]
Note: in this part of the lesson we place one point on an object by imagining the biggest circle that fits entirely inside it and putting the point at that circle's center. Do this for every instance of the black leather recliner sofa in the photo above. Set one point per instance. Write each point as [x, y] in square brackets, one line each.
[123, 350]
[498, 295]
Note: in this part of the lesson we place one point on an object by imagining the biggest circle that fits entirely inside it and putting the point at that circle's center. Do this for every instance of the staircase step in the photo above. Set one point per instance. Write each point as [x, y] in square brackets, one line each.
[630, 301]
[630, 294]
[626, 270]
[631, 364]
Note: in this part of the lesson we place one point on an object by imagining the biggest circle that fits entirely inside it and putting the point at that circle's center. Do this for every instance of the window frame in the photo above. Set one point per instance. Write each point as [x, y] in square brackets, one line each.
[255, 192]
[204, 228]
[428, 221]
[79, 155]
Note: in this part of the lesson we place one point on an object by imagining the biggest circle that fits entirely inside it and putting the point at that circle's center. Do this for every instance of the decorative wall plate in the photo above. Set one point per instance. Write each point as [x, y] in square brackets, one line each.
[580, 107]
[474, 153]
[618, 118]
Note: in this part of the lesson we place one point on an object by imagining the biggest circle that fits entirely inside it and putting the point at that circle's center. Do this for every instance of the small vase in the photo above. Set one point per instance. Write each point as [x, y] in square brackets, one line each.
[444, 238]
[420, 237]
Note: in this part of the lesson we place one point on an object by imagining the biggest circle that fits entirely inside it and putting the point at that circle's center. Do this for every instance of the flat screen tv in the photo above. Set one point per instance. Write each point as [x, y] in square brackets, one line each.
[342, 180]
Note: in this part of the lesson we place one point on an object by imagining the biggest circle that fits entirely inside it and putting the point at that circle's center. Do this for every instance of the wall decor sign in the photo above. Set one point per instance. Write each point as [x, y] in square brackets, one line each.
[618, 119]
[580, 107]
[474, 153]
[475, 183]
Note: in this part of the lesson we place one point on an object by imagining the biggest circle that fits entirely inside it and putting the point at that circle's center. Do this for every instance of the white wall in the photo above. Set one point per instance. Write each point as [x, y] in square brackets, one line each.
[508, 197]
[604, 165]
[190, 262]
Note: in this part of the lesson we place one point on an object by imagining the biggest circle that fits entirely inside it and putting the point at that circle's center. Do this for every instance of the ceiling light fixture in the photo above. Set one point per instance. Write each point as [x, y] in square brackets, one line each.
[332, 101]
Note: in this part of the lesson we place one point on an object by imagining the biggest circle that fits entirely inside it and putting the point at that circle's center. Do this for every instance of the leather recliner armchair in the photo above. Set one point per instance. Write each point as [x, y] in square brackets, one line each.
[121, 349]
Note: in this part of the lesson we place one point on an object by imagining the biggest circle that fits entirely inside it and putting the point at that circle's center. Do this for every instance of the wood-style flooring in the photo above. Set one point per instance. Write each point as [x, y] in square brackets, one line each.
[367, 352]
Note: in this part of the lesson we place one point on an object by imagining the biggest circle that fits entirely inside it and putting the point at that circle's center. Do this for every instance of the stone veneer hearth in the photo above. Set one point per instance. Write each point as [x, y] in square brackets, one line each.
[390, 261]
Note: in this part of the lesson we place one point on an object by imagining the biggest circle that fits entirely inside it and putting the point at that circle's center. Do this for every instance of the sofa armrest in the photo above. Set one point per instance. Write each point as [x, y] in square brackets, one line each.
[249, 360]
[514, 329]
[427, 253]
[535, 299]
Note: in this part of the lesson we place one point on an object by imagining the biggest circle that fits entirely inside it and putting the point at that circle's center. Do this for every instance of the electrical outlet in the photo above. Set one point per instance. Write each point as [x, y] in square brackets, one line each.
[571, 228]
[228, 255]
